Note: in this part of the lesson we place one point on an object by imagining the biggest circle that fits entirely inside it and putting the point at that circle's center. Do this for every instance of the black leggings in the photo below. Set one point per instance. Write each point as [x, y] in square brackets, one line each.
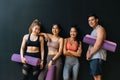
[26, 69]
[31, 72]
[58, 71]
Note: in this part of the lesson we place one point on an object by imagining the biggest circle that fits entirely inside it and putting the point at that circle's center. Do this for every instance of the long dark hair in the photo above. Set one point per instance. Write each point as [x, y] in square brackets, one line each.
[76, 28]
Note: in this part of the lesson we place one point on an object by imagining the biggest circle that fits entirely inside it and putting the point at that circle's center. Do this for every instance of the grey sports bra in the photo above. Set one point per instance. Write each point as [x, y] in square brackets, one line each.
[53, 45]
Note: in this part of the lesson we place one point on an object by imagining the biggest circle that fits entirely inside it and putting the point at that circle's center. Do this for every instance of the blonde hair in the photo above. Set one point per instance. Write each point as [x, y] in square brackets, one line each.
[34, 23]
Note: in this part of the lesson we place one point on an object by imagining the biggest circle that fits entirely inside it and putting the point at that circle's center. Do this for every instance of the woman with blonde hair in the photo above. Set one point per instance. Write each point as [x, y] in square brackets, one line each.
[32, 45]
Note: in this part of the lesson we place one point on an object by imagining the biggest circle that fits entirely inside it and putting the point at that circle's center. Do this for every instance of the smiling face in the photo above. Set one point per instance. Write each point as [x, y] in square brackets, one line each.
[92, 21]
[55, 30]
[73, 32]
[36, 29]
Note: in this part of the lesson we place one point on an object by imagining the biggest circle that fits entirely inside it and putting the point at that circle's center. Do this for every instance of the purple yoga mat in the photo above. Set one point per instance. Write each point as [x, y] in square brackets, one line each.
[50, 73]
[107, 45]
[30, 60]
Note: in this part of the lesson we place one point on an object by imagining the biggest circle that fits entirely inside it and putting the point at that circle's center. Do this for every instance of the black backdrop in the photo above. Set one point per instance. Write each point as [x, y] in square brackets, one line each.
[17, 15]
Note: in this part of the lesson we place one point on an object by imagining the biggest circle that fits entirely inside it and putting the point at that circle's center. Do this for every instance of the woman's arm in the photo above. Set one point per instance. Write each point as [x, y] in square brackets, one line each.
[46, 35]
[42, 47]
[78, 52]
[23, 47]
[42, 51]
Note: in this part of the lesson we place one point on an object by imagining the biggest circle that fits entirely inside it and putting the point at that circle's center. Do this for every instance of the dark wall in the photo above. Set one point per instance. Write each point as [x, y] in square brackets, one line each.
[17, 15]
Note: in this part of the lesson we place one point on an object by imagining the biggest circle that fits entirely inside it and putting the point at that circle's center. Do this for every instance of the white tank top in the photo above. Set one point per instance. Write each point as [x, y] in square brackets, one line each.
[101, 53]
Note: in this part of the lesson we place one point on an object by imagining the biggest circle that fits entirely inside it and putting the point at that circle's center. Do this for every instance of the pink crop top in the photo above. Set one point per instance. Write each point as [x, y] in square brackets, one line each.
[73, 47]
[53, 45]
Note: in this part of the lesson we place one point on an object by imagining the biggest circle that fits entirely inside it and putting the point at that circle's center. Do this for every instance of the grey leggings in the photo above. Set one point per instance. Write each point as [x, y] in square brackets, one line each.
[58, 71]
[71, 67]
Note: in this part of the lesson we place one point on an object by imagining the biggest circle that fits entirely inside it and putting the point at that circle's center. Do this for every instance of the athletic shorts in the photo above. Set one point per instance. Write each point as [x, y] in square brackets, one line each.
[96, 66]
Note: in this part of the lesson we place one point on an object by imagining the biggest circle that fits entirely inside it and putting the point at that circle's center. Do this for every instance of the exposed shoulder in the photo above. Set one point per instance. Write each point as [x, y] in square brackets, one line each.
[60, 39]
[101, 28]
[26, 36]
[66, 38]
[101, 32]
[41, 38]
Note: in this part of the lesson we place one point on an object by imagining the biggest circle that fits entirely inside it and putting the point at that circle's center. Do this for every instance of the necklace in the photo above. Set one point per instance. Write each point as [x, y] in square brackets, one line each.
[72, 41]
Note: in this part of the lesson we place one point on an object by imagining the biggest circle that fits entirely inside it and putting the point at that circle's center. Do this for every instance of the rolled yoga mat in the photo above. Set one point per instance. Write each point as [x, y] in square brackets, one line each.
[51, 73]
[30, 60]
[107, 45]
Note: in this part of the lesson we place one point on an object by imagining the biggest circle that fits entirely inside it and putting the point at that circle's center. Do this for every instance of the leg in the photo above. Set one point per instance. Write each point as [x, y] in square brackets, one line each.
[43, 73]
[35, 73]
[58, 71]
[66, 72]
[25, 71]
[75, 71]
[96, 67]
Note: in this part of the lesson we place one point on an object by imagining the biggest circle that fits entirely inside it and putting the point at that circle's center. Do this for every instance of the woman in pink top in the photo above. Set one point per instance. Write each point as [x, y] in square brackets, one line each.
[55, 48]
[72, 50]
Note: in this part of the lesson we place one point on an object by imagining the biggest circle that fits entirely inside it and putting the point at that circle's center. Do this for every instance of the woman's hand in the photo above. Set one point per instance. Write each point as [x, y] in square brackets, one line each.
[50, 64]
[41, 65]
[23, 60]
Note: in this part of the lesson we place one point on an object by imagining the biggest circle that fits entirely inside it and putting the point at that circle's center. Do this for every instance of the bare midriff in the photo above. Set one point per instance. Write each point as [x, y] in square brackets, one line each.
[33, 49]
[52, 52]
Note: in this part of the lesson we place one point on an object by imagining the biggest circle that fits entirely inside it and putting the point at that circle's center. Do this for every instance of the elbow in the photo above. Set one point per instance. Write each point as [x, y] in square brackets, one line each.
[64, 53]
[79, 53]
[60, 53]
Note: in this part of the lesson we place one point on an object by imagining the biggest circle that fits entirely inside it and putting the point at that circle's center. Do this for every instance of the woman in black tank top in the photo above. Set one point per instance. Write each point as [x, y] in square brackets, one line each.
[32, 45]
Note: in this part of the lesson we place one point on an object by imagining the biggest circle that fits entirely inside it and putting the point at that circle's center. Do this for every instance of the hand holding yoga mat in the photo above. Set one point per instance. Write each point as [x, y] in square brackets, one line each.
[30, 60]
[107, 45]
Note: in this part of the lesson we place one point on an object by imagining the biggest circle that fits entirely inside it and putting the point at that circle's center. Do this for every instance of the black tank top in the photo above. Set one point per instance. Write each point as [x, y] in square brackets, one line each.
[33, 43]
